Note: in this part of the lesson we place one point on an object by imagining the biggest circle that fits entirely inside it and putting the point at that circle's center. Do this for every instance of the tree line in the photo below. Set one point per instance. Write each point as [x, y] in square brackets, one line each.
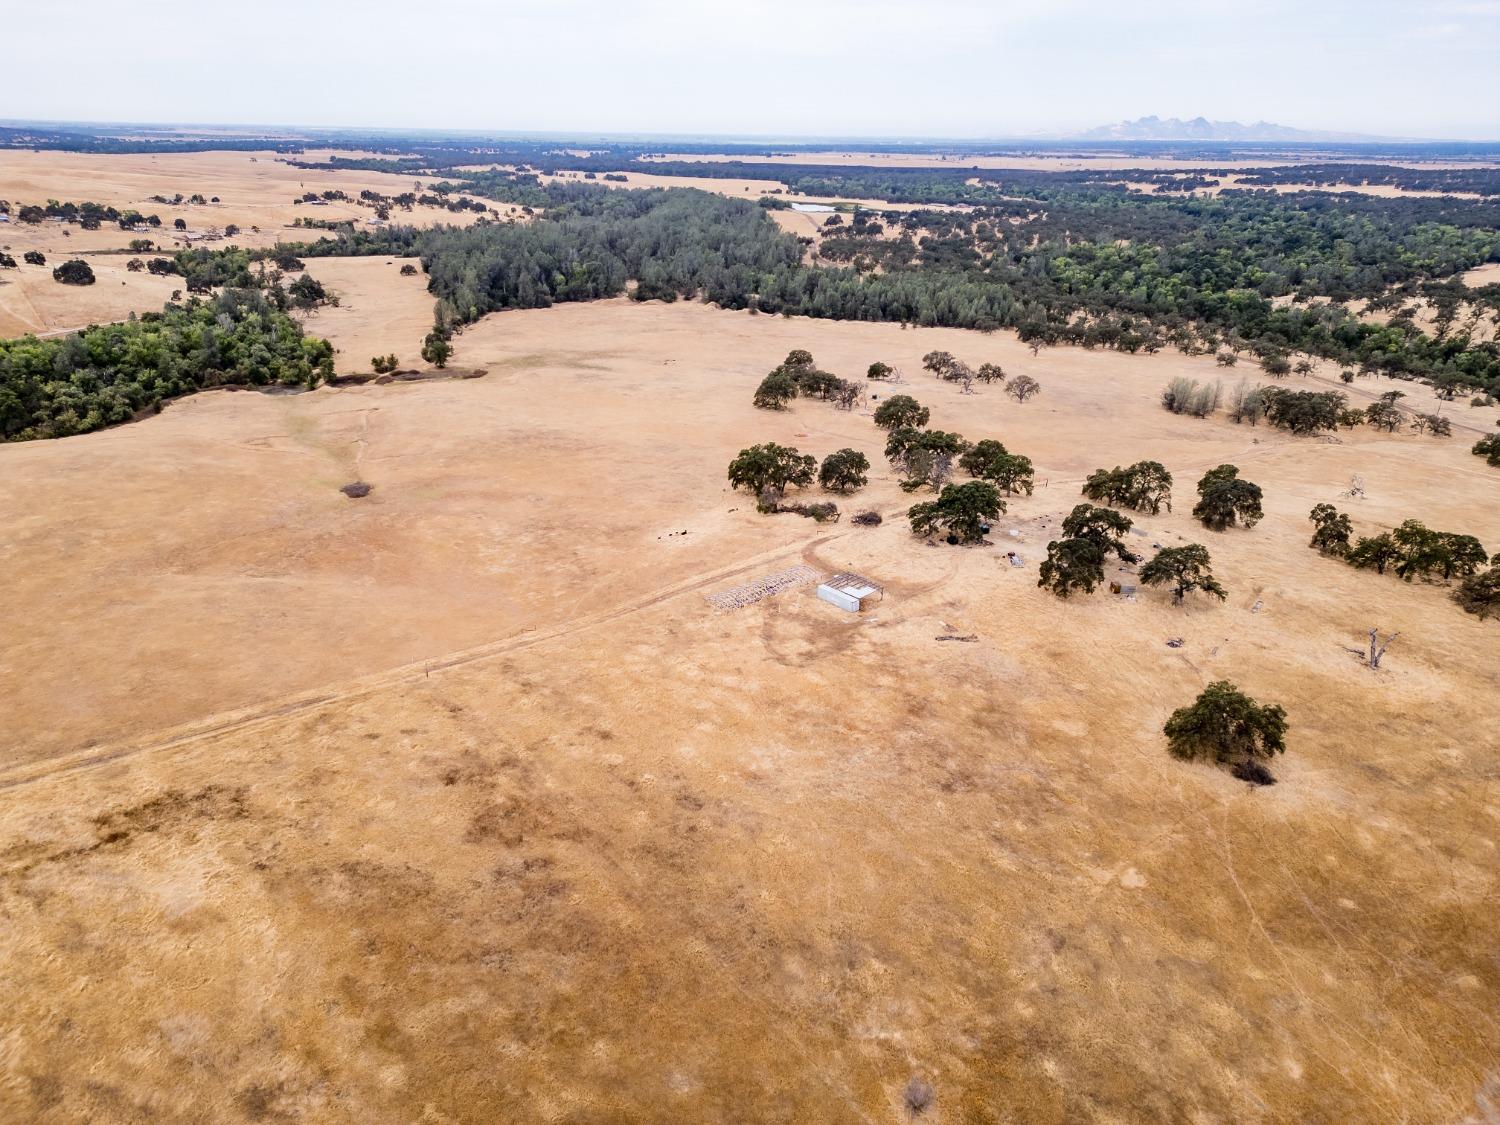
[109, 373]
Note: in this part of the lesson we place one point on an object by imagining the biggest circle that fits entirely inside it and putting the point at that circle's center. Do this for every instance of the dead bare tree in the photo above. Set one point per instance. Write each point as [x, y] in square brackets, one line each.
[1378, 647]
[849, 395]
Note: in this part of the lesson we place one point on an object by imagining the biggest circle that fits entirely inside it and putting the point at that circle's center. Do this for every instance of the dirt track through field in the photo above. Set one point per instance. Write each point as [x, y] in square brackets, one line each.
[458, 802]
[216, 726]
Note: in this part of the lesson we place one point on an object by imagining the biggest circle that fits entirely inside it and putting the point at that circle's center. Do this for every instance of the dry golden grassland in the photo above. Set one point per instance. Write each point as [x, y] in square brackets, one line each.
[256, 190]
[458, 803]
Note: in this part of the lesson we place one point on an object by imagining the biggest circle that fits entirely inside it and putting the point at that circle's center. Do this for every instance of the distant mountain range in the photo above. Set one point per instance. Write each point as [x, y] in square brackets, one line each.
[1201, 129]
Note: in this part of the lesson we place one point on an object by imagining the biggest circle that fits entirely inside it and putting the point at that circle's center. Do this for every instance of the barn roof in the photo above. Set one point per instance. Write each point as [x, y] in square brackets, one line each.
[856, 585]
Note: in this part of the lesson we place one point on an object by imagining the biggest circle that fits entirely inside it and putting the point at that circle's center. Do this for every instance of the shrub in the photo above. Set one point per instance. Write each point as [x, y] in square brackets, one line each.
[1188, 396]
[34, 258]
[820, 512]
[1489, 448]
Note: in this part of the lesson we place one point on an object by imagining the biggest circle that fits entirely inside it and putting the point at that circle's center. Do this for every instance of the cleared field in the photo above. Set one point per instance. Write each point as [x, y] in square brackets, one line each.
[31, 300]
[379, 311]
[1487, 274]
[511, 824]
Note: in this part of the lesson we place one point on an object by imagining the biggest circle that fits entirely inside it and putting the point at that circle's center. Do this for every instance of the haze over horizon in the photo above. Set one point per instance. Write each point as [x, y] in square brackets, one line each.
[953, 68]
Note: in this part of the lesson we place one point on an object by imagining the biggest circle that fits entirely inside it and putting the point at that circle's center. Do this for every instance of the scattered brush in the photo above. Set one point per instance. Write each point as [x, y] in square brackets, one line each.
[1188, 396]
[821, 512]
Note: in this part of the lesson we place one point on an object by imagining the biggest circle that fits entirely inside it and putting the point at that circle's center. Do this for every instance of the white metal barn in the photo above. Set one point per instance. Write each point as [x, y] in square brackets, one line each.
[849, 591]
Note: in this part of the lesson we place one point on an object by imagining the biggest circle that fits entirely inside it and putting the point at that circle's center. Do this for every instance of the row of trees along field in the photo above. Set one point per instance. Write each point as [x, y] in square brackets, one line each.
[1413, 550]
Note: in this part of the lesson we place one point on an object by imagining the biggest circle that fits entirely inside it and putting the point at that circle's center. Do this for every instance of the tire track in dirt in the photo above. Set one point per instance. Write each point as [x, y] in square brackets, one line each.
[248, 718]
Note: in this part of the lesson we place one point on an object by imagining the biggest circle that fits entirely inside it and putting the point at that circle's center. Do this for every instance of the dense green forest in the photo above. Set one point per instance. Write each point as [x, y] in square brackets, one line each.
[108, 374]
[1060, 257]
[1078, 264]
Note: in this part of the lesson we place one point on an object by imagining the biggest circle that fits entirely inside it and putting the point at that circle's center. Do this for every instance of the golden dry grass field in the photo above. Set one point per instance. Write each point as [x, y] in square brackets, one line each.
[459, 803]
[256, 192]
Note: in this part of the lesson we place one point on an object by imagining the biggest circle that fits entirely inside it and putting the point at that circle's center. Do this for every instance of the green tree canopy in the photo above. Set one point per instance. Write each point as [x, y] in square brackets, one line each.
[75, 271]
[962, 510]
[1384, 416]
[938, 363]
[775, 390]
[1100, 526]
[770, 469]
[1145, 486]
[1225, 500]
[844, 470]
[1303, 412]
[1331, 530]
[990, 460]
[1479, 593]
[1374, 552]
[1023, 387]
[1225, 725]
[1072, 564]
[1185, 569]
[901, 412]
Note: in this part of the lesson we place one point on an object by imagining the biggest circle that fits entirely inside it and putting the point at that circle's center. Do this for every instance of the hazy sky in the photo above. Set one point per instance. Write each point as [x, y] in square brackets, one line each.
[953, 68]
